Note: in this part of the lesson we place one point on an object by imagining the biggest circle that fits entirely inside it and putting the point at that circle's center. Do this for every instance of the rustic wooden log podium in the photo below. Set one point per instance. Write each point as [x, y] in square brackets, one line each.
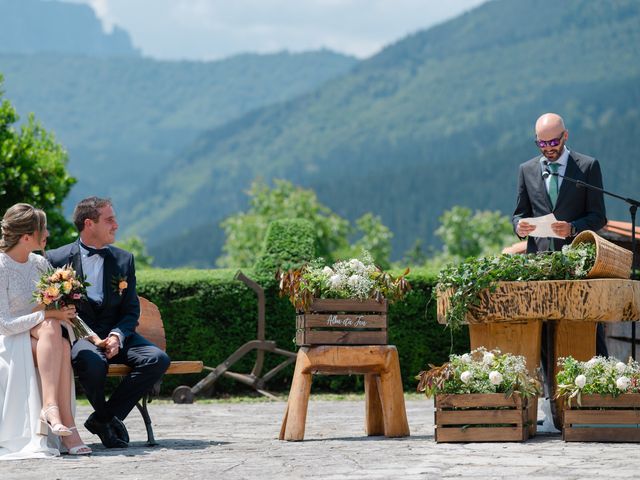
[510, 318]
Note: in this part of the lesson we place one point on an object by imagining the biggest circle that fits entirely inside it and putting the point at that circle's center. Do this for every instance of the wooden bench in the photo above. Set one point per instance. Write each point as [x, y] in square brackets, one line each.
[150, 326]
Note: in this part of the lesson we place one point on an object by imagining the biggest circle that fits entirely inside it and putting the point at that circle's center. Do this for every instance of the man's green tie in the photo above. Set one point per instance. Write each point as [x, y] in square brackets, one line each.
[553, 191]
[553, 184]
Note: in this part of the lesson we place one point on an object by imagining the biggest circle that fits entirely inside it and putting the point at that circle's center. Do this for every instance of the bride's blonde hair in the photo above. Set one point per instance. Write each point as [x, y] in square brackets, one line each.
[21, 219]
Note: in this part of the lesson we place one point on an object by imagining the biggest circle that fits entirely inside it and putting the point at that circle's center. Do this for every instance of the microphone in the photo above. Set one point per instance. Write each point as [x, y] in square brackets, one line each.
[547, 172]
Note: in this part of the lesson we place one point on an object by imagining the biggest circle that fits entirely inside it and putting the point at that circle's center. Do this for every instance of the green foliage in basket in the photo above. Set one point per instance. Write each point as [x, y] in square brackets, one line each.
[600, 375]
[480, 371]
[469, 278]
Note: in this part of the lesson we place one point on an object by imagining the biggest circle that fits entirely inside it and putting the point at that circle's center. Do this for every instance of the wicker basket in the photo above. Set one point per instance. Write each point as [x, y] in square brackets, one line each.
[612, 261]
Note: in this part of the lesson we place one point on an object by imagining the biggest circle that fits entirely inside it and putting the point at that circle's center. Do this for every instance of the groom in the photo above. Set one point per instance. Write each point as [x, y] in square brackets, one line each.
[112, 311]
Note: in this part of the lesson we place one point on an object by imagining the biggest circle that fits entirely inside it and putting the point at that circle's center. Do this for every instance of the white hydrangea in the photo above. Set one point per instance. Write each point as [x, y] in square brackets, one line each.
[623, 383]
[495, 377]
[466, 376]
[620, 367]
[357, 265]
[466, 358]
[488, 358]
[580, 381]
[336, 281]
[327, 271]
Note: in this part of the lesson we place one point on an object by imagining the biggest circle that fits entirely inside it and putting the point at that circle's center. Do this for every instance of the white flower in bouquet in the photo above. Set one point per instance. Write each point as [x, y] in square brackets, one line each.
[327, 271]
[466, 358]
[488, 358]
[623, 383]
[336, 281]
[592, 362]
[581, 381]
[465, 377]
[357, 265]
[355, 281]
[620, 367]
[495, 377]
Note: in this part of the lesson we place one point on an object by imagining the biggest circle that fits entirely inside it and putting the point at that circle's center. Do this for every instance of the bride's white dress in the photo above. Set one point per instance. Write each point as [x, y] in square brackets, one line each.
[20, 396]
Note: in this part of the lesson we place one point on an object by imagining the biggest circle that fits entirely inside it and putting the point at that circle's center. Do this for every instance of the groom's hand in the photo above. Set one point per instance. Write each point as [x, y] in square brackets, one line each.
[111, 346]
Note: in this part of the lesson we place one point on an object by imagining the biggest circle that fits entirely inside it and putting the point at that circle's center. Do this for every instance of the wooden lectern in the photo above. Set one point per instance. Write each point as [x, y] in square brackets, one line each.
[510, 319]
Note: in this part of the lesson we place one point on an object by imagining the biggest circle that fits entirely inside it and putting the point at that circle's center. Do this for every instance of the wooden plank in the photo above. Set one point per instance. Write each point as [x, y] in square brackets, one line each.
[464, 417]
[630, 400]
[312, 320]
[475, 400]
[601, 434]
[481, 434]
[347, 305]
[602, 300]
[573, 417]
[179, 367]
[312, 337]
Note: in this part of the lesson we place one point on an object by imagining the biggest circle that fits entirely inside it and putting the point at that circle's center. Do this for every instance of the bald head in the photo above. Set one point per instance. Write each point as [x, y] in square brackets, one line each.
[549, 125]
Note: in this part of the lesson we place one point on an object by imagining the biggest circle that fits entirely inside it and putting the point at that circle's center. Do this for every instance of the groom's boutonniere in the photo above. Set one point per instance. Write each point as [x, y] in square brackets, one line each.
[120, 284]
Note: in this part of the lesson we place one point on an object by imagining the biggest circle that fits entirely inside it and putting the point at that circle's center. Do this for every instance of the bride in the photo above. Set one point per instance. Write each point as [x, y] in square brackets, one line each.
[36, 390]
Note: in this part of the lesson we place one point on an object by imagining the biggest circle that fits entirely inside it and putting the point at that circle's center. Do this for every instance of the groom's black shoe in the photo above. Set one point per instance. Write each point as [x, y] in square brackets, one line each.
[105, 431]
[120, 429]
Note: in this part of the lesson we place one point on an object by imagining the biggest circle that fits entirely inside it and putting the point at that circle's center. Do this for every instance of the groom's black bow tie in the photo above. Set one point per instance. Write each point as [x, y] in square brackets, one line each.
[103, 252]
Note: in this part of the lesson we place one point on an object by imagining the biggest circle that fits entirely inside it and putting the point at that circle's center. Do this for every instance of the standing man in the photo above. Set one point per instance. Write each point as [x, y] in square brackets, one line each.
[576, 209]
[540, 192]
[112, 311]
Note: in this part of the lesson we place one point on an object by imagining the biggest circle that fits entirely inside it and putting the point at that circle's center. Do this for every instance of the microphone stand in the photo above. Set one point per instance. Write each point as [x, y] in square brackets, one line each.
[633, 207]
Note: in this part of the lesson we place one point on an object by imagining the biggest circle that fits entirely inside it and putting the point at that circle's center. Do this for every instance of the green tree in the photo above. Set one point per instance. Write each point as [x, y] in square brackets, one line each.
[245, 231]
[467, 234]
[136, 246]
[33, 170]
[374, 237]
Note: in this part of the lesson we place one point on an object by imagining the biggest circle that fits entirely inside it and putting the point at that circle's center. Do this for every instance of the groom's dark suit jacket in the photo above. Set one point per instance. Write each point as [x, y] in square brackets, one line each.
[117, 312]
[583, 207]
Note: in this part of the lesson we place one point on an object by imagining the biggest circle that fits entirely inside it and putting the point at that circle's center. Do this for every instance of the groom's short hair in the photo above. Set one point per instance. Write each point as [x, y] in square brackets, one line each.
[88, 209]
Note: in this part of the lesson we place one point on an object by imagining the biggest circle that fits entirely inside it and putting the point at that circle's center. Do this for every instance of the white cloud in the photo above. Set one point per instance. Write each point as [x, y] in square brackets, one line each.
[211, 29]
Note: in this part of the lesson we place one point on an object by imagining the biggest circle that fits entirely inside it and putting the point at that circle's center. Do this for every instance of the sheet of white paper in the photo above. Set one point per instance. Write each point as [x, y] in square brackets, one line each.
[543, 226]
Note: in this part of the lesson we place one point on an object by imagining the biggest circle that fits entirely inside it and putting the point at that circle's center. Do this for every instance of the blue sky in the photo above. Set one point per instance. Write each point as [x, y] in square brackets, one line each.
[214, 29]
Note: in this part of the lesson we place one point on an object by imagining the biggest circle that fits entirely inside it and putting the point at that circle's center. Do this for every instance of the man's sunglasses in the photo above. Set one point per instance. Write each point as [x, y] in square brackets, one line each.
[554, 142]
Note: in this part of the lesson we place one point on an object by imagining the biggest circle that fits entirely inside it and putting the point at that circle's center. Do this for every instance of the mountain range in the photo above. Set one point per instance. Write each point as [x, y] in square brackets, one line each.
[439, 118]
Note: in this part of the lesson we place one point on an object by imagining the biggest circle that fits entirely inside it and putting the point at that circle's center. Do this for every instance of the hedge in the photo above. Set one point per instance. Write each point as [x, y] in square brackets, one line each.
[207, 315]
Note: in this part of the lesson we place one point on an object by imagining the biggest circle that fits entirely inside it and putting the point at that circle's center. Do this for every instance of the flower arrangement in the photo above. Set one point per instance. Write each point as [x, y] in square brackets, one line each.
[355, 279]
[469, 278]
[600, 375]
[59, 288]
[480, 371]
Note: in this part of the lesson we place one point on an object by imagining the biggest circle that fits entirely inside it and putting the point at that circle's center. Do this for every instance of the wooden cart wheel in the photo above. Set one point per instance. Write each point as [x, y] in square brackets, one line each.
[183, 394]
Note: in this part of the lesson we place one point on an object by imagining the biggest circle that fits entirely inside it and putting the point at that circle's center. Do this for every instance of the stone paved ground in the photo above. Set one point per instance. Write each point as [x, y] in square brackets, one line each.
[239, 440]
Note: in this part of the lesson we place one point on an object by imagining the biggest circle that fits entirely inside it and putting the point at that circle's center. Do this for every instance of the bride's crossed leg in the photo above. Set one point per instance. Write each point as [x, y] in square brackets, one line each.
[52, 357]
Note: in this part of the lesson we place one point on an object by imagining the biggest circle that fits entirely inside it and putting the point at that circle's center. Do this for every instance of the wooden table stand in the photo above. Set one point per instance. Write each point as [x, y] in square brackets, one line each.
[384, 398]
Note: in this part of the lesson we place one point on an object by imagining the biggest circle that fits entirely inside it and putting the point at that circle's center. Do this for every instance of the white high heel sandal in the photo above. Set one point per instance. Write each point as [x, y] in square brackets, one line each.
[81, 449]
[57, 428]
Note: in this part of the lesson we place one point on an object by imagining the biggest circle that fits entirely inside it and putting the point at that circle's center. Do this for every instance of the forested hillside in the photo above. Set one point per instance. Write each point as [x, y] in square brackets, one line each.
[125, 120]
[442, 117]
[37, 26]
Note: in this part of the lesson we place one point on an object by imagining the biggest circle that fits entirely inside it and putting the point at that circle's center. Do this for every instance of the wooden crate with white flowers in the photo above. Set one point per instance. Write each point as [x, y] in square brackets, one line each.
[482, 417]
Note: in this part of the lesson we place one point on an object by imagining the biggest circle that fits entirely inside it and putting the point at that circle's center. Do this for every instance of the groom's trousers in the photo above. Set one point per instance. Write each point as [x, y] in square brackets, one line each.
[91, 366]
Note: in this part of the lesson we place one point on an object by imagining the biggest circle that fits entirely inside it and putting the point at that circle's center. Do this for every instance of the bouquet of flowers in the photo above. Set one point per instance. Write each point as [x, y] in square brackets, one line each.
[356, 279]
[480, 371]
[600, 375]
[61, 287]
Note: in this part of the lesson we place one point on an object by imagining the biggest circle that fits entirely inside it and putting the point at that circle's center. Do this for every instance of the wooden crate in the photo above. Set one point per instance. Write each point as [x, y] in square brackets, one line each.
[343, 322]
[602, 418]
[487, 417]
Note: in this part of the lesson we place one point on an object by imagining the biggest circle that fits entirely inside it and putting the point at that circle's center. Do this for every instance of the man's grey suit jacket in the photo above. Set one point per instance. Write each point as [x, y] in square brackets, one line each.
[581, 206]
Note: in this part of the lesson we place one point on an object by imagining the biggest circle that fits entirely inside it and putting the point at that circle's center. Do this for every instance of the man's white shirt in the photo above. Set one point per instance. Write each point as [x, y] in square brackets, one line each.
[93, 270]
